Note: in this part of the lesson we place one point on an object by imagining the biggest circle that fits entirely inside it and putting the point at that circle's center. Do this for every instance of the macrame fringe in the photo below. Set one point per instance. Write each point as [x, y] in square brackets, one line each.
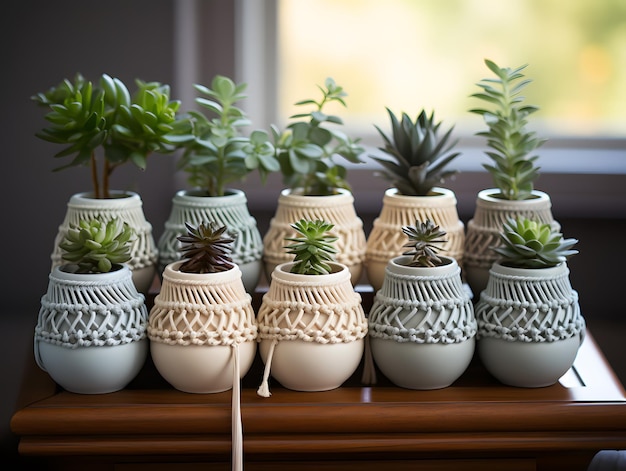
[264, 388]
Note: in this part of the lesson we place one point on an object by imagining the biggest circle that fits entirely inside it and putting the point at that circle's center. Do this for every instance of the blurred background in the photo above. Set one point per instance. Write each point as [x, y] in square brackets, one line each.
[402, 54]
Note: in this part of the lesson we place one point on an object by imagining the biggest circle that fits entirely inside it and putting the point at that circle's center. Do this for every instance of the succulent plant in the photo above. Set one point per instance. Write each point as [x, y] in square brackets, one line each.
[86, 117]
[418, 154]
[313, 248]
[306, 149]
[95, 246]
[206, 248]
[512, 144]
[423, 239]
[219, 153]
[532, 244]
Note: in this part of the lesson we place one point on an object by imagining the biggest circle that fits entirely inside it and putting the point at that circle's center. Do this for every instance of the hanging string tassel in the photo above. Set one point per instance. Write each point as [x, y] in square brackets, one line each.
[236, 426]
[264, 389]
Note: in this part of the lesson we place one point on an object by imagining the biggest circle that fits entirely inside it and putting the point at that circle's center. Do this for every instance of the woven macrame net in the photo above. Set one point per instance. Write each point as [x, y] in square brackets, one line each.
[83, 314]
[325, 314]
[248, 245]
[188, 312]
[529, 309]
[143, 252]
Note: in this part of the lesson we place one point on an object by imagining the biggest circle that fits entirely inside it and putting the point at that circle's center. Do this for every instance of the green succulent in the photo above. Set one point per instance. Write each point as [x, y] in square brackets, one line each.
[423, 239]
[418, 154]
[307, 149]
[206, 248]
[87, 117]
[532, 244]
[219, 154]
[313, 248]
[512, 144]
[95, 246]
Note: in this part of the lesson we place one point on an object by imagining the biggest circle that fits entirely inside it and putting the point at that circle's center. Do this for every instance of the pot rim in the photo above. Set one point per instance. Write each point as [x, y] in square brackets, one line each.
[172, 272]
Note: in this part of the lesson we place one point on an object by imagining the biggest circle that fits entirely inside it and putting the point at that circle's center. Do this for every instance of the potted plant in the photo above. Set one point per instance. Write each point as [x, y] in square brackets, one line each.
[311, 322]
[103, 127]
[202, 328]
[529, 321]
[513, 169]
[415, 160]
[422, 326]
[316, 185]
[91, 330]
[216, 156]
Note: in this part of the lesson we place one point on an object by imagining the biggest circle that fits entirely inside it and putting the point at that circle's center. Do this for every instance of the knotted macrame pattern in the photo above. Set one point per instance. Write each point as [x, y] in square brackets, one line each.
[529, 309]
[422, 309]
[90, 313]
[189, 312]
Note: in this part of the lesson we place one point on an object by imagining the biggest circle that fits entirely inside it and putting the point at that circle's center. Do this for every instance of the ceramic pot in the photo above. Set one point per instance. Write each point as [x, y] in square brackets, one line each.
[230, 210]
[483, 230]
[422, 326]
[337, 209]
[200, 326]
[311, 329]
[128, 207]
[386, 238]
[91, 331]
[529, 325]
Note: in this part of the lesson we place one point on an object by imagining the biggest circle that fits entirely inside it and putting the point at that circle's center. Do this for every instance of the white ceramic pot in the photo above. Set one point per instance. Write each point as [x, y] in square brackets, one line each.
[529, 325]
[483, 230]
[386, 238]
[128, 207]
[422, 326]
[202, 330]
[91, 331]
[230, 210]
[337, 209]
[311, 329]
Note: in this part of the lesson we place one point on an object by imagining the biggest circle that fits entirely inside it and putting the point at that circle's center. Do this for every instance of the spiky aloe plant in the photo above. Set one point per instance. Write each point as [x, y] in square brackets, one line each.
[206, 248]
[95, 246]
[424, 238]
[533, 244]
[313, 248]
[418, 154]
[512, 144]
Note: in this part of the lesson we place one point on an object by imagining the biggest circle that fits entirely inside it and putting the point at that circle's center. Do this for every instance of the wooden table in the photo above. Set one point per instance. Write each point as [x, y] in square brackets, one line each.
[475, 424]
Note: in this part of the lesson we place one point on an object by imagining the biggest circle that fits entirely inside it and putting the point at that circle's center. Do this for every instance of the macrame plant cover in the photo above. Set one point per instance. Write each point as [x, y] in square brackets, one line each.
[423, 306]
[531, 306]
[321, 309]
[91, 310]
[128, 207]
[230, 210]
[207, 310]
[337, 209]
[386, 239]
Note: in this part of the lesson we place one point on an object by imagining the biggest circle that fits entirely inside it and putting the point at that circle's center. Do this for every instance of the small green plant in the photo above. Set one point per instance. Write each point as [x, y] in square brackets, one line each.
[424, 238]
[95, 246]
[512, 144]
[206, 248]
[307, 149]
[103, 118]
[418, 154]
[532, 244]
[219, 153]
[312, 248]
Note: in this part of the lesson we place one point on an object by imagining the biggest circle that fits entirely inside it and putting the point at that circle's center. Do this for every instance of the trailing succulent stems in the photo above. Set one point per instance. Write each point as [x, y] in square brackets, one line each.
[513, 169]
[206, 248]
[218, 153]
[312, 247]
[95, 246]
[424, 239]
[307, 149]
[105, 118]
[416, 156]
[531, 244]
